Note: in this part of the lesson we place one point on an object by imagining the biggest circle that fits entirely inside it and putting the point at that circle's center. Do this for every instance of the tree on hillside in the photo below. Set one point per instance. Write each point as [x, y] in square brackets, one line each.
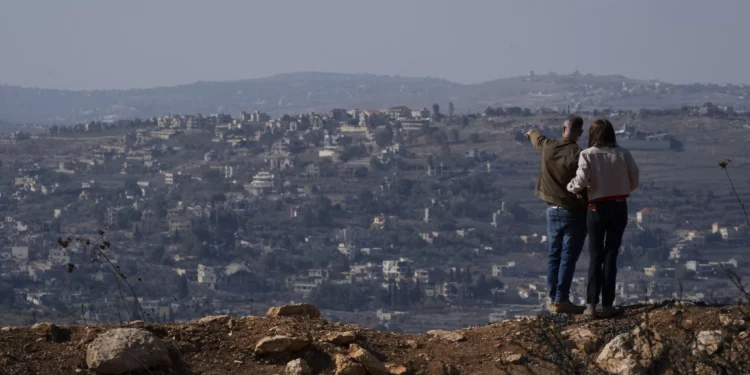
[436, 111]
[404, 187]
[451, 110]
[453, 135]
[211, 175]
[361, 172]
[384, 137]
[676, 145]
[519, 213]
[474, 138]
[182, 287]
[7, 296]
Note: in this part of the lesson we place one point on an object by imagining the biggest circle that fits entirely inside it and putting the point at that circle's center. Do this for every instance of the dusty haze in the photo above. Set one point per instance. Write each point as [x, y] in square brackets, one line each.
[102, 45]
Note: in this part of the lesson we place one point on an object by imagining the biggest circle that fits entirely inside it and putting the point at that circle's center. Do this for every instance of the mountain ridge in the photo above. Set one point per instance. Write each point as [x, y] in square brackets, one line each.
[322, 91]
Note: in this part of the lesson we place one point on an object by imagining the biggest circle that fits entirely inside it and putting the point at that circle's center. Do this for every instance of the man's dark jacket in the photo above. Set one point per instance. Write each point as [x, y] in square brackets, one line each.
[559, 165]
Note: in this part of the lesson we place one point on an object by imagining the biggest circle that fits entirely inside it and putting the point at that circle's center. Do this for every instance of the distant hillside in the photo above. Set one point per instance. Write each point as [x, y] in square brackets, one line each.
[303, 92]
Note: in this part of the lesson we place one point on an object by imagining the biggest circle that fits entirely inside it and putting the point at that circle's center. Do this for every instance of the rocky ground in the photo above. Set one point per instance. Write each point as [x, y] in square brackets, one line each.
[665, 338]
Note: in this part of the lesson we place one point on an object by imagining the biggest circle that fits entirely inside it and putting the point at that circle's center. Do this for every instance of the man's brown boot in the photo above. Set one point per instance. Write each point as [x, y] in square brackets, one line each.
[551, 306]
[590, 311]
[610, 311]
[568, 307]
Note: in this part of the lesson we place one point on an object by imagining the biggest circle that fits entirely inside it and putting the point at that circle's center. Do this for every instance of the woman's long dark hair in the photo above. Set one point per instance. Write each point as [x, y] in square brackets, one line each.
[602, 134]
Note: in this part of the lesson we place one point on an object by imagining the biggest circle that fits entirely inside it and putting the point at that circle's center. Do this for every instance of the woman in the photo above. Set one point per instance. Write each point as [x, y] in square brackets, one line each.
[610, 174]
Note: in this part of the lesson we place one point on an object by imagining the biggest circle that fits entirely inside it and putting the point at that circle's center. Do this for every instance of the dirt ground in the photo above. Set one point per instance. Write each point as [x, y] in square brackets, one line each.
[215, 348]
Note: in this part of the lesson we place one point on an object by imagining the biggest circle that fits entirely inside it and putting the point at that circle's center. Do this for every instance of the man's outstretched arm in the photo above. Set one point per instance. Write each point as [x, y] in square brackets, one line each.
[537, 139]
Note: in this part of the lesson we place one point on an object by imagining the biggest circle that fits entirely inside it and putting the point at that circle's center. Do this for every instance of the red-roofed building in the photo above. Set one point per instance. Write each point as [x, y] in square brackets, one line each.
[646, 217]
[398, 112]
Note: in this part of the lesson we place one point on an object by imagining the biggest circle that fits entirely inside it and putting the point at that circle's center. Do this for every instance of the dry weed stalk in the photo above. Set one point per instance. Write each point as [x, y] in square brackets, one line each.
[98, 255]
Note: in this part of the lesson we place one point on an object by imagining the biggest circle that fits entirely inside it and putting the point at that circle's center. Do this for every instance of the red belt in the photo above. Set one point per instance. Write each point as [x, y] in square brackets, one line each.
[612, 198]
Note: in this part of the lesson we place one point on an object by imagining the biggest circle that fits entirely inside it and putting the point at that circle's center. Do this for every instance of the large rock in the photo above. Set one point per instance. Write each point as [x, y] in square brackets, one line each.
[298, 367]
[341, 338]
[708, 343]
[280, 344]
[367, 359]
[215, 318]
[631, 353]
[300, 309]
[582, 339]
[126, 349]
[346, 366]
[447, 335]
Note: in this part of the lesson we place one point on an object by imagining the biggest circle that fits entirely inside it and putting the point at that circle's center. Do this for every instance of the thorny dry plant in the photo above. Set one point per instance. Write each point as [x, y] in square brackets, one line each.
[724, 163]
[98, 251]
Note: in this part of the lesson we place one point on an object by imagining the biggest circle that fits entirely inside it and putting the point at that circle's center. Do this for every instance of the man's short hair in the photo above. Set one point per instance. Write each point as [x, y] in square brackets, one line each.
[574, 121]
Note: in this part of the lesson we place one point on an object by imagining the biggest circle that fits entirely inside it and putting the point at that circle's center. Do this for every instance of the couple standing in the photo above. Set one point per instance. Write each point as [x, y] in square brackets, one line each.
[586, 192]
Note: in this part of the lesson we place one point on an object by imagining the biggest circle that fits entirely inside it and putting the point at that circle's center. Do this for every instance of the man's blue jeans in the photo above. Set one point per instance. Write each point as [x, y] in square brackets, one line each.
[566, 233]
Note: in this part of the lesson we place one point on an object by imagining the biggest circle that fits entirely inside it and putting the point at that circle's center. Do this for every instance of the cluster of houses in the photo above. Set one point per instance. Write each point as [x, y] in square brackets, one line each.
[276, 172]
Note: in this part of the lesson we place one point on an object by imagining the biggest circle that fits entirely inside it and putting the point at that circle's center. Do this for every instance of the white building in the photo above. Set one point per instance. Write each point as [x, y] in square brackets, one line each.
[20, 253]
[262, 182]
[367, 271]
[347, 250]
[396, 269]
[505, 270]
[422, 275]
[59, 256]
[207, 276]
[498, 316]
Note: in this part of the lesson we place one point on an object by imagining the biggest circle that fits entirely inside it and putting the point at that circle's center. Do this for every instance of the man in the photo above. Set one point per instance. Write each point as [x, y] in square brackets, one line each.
[566, 212]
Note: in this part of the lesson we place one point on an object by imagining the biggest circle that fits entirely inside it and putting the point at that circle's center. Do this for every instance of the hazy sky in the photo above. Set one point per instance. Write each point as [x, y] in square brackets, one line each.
[86, 44]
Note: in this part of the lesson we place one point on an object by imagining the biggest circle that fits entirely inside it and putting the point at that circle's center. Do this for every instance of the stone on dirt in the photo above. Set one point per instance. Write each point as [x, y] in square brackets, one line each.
[341, 338]
[122, 350]
[298, 367]
[513, 358]
[708, 343]
[300, 309]
[631, 353]
[731, 324]
[451, 336]
[346, 366]
[280, 344]
[582, 339]
[394, 369]
[215, 318]
[367, 359]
